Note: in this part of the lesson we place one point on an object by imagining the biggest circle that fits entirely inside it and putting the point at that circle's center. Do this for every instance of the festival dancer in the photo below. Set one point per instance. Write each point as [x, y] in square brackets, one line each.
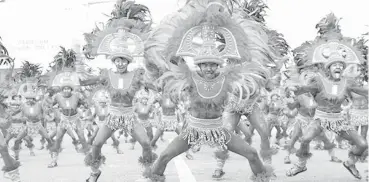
[31, 110]
[68, 100]
[168, 119]
[131, 24]
[144, 107]
[305, 105]
[101, 100]
[11, 166]
[210, 89]
[333, 52]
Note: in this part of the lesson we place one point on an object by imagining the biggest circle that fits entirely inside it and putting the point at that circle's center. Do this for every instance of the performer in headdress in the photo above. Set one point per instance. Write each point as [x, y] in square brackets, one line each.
[305, 104]
[209, 90]
[100, 101]
[332, 51]
[11, 166]
[68, 100]
[31, 109]
[121, 41]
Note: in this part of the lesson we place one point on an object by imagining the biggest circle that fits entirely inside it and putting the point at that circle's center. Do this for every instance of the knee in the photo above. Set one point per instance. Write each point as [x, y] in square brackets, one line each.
[145, 145]
[305, 140]
[362, 144]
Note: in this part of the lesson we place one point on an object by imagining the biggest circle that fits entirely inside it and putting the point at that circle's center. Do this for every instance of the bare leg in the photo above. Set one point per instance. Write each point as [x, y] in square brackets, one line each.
[55, 149]
[95, 158]
[17, 143]
[175, 148]
[139, 133]
[297, 133]
[239, 146]
[328, 145]
[158, 133]
[10, 165]
[360, 145]
[364, 131]
[44, 134]
[303, 152]
[116, 144]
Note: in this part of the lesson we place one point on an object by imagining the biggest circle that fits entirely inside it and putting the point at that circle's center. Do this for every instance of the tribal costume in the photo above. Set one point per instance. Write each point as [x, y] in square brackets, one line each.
[31, 110]
[305, 105]
[68, 99]
[130, 25]
[100, 101]
[11, 166]
[210, 91]
[332, 52]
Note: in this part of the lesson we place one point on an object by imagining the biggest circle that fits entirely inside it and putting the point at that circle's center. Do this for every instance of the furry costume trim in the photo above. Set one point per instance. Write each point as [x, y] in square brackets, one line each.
[147, 162]
[303, 155]
[153, 177]
[223, 155]
[265, 176]
[89, 161]
[11, 168]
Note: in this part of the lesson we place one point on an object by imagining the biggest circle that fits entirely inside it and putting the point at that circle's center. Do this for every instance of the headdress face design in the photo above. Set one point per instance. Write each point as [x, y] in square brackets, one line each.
[334, 51]
[121, 44]
[66, 79]
[28, 89]
[208, 51]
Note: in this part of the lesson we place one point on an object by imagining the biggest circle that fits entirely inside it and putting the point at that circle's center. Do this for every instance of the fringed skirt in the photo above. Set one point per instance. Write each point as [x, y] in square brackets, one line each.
[121, 118]
[16, 128]
[50, 127]
[358, 117]
[69, 122]
[206, 132]
[33, 128]
[168, 123]
[334, 122]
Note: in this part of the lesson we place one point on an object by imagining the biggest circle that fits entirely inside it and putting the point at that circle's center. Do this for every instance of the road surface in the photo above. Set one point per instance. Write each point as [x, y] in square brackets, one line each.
[124, 167]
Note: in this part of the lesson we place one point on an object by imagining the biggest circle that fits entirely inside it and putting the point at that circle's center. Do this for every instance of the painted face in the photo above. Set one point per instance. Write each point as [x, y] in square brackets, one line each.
[336, 69]
[67, 91]
[208, 70]
[121, 64]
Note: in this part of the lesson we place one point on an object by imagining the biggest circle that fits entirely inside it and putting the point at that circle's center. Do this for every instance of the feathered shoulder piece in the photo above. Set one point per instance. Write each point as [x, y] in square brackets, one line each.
[254, 9]
[329, 46]
[124, 33]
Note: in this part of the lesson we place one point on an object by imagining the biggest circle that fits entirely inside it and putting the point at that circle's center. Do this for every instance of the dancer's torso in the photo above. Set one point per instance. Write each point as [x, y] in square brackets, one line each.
[168, 107]
[33, 113]
[68, 106]
[122, 87]
[330, 95]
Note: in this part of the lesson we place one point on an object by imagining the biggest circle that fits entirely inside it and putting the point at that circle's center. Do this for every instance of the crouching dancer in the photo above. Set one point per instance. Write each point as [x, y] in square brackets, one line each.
[207, 91]
[122, 85]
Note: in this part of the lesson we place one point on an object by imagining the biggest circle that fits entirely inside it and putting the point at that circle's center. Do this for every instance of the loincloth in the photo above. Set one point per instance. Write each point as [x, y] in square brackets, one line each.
[120, 118]
[334, 122]
[358, 117]
[206, 132]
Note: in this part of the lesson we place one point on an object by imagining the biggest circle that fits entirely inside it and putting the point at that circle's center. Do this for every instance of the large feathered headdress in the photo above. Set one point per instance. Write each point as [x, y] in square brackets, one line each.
[123, 35]
[191, 31]
[4, 55]
[9, 86]
[330, 46]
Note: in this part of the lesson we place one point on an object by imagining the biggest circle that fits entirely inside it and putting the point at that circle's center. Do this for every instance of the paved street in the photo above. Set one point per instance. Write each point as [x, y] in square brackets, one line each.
[124, 168]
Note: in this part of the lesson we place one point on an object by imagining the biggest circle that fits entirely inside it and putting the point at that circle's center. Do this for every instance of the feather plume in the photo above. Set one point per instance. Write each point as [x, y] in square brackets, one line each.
[30, 70]
[64, 59]
[135, 18]
[254, 9]
[329, 27]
